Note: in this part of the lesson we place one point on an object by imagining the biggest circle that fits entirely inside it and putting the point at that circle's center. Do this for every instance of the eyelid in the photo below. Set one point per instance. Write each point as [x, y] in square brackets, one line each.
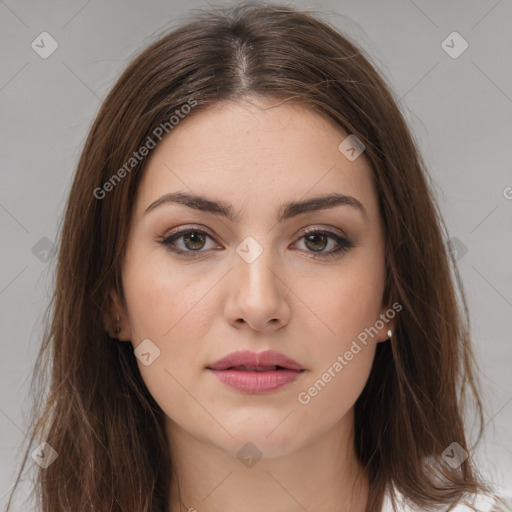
[324, 227]
[300, 233]
[189, 227]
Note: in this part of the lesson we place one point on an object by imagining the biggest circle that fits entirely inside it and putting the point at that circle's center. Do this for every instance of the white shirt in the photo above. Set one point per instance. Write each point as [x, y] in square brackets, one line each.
[480, 504]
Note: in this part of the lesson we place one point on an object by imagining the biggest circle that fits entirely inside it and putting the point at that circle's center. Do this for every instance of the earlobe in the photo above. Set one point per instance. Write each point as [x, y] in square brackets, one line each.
[386, 323]
[386, 333]
[114, 319]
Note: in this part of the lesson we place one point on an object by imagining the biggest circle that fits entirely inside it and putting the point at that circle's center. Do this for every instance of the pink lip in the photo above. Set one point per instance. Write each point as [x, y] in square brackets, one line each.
[246, 357]
[255, 382]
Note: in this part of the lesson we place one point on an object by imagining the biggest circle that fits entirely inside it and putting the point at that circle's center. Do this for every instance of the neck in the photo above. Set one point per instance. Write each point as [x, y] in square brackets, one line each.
[323, 475]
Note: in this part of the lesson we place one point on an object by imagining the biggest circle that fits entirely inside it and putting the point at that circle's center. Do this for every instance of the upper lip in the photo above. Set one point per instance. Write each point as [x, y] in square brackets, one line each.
[258, 359]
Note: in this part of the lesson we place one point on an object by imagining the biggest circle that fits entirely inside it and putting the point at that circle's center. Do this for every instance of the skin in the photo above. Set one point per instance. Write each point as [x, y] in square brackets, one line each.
[257, 155]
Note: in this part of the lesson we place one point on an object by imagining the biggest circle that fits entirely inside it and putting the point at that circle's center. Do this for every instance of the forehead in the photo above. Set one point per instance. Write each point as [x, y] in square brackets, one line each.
[260, 150]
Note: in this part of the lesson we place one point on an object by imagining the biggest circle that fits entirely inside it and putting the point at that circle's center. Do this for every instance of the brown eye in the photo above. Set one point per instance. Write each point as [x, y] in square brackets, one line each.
[194, 240]
[187, 242]
[316, 241]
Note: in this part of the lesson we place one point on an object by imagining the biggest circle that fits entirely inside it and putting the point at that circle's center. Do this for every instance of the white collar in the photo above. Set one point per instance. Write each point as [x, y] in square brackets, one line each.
[481, 503]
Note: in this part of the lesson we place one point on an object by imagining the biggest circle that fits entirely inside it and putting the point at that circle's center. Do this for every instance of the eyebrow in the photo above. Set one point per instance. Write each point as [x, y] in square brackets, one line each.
[285, 212]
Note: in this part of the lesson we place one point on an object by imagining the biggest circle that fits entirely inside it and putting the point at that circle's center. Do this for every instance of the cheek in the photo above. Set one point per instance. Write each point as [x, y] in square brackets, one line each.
[341, 304]
[331, 393]
[161, 296]
[168, 306]
[344, 309]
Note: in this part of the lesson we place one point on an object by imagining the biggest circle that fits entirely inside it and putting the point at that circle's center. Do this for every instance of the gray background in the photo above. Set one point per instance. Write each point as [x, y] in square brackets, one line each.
[459, 109]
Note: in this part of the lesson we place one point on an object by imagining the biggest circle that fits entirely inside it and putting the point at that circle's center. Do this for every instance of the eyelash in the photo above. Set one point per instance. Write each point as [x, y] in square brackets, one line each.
[344, 244]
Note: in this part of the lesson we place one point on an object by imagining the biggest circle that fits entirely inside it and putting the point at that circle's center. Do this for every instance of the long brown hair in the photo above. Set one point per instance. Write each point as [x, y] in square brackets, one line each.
[98, 414]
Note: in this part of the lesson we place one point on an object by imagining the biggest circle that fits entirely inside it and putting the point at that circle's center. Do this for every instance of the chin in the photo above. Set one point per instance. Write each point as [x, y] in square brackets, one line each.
[267, 439]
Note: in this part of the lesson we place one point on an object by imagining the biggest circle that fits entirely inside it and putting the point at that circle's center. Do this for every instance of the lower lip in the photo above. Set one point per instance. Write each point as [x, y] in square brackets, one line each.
[257, 382]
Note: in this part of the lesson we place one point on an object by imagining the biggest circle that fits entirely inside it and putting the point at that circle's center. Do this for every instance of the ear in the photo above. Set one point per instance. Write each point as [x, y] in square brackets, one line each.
[118, 329]
[387, 321]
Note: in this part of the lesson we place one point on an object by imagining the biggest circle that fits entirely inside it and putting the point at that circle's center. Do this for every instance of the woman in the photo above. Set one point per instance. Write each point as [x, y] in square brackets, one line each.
[254, 306]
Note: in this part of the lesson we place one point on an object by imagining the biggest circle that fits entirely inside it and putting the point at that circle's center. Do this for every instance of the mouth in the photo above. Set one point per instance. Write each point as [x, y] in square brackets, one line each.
[256, 373]
[245, 360]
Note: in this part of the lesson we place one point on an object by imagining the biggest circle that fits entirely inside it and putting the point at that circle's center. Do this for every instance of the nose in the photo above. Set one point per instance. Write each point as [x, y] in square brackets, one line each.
[258, 294]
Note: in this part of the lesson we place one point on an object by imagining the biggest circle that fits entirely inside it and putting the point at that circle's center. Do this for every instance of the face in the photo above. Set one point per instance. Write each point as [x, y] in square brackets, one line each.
[306, 282]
